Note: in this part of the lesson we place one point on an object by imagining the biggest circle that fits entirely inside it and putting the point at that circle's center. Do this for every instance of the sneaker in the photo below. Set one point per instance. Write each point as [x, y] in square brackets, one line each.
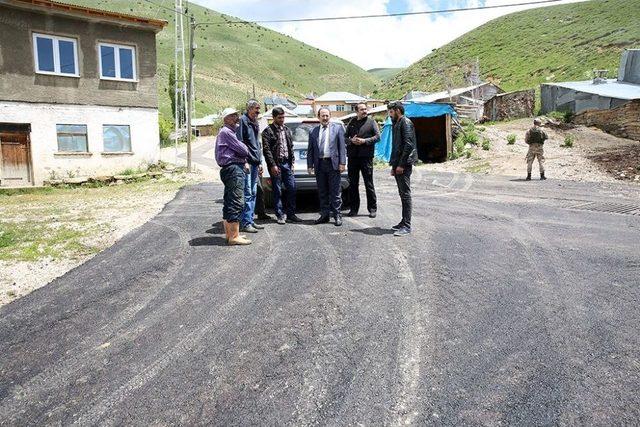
[281, 220]
[402, 232]
[249, 229]
[258, 226]
[373, 214]
[293, 218]
[338, 222]
[398, 226]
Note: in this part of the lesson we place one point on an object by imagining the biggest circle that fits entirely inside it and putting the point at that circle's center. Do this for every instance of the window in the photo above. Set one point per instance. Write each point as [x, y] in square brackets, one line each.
[117, 62]
[339, 107]
[72, 138]
[55, 55]
[117, 138]
[354, 107]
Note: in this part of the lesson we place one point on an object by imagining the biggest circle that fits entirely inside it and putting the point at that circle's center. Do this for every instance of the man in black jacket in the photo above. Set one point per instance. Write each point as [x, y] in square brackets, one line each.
[277, 146]
[403, 156]
[362, 134]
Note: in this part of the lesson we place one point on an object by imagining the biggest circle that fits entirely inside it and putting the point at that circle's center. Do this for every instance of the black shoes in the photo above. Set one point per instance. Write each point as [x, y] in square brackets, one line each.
[352, 213]
[398, 226]
[542, 177]
[265, 217]
[338, 221]
[293, 218]
[528, 177]
[321, 220]
[372, 214]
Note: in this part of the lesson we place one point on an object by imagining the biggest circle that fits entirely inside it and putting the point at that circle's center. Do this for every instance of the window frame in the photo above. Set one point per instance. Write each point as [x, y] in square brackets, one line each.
[116, 57]
[117, 152]
[56, 55]
[86, 135]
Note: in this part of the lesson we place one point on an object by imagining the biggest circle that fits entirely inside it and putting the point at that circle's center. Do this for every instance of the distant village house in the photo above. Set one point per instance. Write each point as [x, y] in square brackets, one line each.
[78, 91]
[342, 103]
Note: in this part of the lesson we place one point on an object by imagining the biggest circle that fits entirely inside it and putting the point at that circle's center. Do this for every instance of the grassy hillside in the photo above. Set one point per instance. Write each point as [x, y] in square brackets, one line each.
[230, 59]
[524, 49]
[384, 74]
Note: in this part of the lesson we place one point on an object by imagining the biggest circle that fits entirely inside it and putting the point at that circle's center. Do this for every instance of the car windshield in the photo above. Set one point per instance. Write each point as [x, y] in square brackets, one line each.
[300, 131]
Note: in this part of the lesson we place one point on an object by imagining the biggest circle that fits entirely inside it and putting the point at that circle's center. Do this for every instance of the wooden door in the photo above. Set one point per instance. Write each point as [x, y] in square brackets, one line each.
[16, 160]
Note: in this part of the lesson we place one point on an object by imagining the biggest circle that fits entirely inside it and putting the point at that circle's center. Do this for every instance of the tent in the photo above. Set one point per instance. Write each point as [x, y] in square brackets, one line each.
[432, 122]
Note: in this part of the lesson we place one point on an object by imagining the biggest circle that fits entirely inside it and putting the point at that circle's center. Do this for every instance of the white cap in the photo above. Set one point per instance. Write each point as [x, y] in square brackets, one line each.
[229, 111]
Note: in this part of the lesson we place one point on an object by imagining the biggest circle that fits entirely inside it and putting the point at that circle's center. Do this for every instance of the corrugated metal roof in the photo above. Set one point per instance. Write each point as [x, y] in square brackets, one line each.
[437, 96]
[340, 96]
[611, 89]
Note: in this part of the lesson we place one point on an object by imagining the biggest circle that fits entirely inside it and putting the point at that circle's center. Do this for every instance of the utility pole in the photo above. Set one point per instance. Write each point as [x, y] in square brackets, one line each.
[182, 103]
[192, 30]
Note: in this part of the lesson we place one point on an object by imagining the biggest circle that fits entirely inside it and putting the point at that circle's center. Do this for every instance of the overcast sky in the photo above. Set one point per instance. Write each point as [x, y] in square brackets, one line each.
[369, 43]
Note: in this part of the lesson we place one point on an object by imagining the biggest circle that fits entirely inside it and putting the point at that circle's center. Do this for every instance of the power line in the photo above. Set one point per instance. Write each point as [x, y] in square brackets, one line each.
[164, 7]
[383, 15]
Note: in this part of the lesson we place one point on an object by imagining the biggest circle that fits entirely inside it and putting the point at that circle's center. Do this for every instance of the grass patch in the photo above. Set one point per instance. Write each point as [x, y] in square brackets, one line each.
[568, 141]
[30, 241]
[479, 168]
[486, 144]
[511, 139]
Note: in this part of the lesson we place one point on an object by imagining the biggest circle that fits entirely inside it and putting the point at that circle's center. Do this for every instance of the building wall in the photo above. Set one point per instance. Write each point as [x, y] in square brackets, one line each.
[623, 121]
[556, 98]
[333, 107]
[19, 82]
[510, 105]
[46, 159]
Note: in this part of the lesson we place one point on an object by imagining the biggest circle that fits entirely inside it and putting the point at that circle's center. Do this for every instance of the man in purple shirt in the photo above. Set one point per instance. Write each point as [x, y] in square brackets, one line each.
[231, 156]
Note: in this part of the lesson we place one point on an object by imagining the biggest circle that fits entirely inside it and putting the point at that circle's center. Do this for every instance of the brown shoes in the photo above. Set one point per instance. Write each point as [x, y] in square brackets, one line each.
[232, 231]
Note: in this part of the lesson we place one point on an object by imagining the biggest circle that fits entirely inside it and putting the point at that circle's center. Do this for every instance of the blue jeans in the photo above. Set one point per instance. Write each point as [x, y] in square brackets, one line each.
[285, 178]
[250, 190]
[233, 177]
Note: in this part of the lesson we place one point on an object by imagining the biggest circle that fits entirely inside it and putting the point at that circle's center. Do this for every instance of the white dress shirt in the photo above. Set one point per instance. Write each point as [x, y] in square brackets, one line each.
[327, 150]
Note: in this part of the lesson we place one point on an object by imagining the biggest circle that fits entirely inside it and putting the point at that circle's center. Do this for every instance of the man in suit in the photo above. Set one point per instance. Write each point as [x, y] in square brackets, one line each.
[327, 158]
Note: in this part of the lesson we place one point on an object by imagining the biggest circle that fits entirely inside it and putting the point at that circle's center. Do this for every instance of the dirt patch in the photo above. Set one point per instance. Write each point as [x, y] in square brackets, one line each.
[45, 233]
[582, 162]
[622, 163]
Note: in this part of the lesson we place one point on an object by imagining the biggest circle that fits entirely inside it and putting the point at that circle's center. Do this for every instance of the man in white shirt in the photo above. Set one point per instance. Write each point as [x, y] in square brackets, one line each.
[327, 159]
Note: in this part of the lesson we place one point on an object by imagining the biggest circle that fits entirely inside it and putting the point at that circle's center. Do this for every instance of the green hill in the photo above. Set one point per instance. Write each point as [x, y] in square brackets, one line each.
[230, 59]
[524, 49]
[384, 74]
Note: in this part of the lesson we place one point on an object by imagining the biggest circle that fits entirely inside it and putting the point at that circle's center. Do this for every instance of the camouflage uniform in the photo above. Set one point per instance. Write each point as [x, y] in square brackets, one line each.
[535, 138]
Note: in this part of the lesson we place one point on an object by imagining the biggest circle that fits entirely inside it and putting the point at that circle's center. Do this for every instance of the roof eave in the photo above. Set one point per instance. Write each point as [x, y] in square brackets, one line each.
[82, 12]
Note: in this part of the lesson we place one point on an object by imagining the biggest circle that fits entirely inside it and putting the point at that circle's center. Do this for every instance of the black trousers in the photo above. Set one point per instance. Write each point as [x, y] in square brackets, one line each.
[329, 191]
[260, 210]
[404, 189]
[355, 167]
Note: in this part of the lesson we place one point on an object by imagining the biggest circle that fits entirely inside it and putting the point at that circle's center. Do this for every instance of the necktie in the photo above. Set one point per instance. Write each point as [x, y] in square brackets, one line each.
[322, 140]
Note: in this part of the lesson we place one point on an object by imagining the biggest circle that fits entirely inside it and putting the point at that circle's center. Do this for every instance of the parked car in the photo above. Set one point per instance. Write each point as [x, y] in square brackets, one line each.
[300, 128]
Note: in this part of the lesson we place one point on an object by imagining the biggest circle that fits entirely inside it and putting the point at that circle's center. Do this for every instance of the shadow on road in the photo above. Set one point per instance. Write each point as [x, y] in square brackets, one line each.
[374, 231]
[208, 241]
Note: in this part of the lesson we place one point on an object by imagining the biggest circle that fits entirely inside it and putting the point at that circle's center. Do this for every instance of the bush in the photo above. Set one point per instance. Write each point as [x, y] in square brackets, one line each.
[568, 141]
[165, 128]
[470, 137]
[486, 144]
[511, 139]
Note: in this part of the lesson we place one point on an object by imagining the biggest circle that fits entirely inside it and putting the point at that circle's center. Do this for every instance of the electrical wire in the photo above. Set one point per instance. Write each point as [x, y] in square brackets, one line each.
[383, 15]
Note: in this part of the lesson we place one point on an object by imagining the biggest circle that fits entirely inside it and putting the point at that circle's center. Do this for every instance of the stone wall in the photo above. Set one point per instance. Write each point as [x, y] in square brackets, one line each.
[511, 105]
[623, 121]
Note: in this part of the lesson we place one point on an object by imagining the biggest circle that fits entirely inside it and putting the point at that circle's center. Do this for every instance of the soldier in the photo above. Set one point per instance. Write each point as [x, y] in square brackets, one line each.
[535, 138]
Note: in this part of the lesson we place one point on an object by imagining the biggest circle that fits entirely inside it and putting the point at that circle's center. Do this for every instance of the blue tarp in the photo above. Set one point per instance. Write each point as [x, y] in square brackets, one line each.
[411, 110]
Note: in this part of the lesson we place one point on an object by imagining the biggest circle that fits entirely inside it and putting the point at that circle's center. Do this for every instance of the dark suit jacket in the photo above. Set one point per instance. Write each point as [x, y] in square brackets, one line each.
[337, 147]
[271, 146]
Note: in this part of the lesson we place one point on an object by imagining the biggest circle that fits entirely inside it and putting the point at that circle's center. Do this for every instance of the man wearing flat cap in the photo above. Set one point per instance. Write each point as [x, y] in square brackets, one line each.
[231, 156]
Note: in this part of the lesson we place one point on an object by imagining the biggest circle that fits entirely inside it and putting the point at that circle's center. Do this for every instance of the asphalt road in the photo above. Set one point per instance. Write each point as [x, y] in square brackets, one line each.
[511, 303]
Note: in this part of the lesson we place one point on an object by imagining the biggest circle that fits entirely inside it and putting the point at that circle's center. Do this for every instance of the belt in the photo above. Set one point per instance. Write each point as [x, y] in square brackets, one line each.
[326, 159]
